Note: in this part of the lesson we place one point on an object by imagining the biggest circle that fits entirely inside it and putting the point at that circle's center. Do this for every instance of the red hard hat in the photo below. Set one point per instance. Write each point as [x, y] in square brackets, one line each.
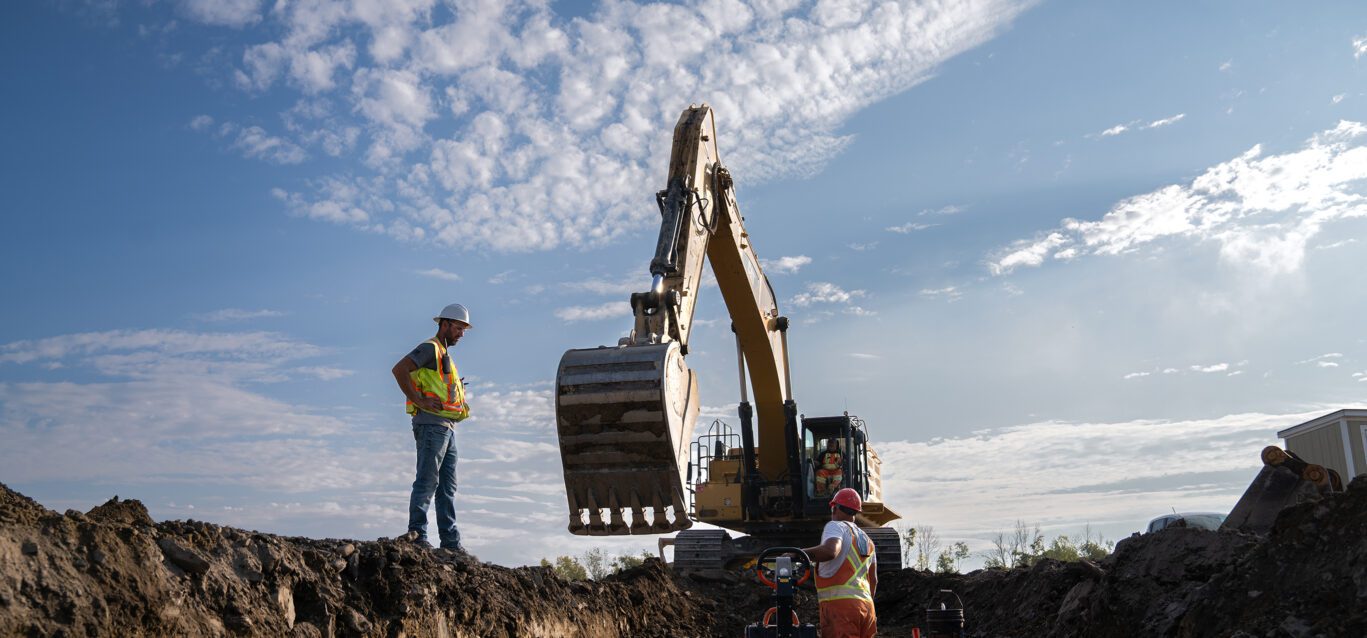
[848, 498]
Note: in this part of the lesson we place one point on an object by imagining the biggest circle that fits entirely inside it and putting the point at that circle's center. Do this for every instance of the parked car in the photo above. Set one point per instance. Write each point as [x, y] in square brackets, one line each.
[1200, 520]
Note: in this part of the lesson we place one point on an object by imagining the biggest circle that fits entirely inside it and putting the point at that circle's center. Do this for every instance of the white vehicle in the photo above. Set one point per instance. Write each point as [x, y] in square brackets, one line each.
[1199, 520]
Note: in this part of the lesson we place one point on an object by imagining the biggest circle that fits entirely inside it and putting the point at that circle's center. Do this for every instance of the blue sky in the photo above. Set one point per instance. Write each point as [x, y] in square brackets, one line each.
[1023, 240]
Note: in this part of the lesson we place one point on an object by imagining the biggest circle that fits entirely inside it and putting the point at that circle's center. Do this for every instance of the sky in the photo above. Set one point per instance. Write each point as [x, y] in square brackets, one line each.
[1075, 263]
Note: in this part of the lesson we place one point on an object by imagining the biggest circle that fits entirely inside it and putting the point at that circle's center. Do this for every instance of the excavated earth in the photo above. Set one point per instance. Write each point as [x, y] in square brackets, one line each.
[113, 571]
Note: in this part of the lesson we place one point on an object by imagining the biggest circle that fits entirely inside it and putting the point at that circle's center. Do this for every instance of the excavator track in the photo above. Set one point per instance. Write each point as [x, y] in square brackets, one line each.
[887, 545]
[625, 418]
[701, 550]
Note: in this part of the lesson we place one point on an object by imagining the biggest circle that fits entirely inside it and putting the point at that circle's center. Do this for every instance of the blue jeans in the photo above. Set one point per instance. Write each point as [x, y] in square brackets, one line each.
[436, 475]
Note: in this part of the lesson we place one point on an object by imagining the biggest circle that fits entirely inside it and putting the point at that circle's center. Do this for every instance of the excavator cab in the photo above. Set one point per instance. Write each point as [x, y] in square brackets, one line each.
[834, 456]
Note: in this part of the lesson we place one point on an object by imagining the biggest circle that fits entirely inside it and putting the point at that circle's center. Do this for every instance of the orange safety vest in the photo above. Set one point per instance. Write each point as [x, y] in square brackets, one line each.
[442, 384]
[851, 581]
[830, 461]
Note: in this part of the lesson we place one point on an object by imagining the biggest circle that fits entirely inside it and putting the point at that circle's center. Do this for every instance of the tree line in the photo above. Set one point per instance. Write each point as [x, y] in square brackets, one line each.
[594, 564]
[1022, 546]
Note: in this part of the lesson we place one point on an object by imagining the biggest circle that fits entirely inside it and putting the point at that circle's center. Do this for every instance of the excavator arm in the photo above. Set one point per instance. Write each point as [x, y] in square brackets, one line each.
[625, 414]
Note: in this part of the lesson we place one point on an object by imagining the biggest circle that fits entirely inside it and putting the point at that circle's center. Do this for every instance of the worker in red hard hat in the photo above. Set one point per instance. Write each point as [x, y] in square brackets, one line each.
[846, 572]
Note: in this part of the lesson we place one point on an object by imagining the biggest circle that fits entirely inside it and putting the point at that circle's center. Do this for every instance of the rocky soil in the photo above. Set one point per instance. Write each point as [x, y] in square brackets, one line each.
[114, 571]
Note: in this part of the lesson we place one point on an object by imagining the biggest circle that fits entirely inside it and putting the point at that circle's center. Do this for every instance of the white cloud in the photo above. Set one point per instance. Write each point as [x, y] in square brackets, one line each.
[467, 148]
[1166, 121]
[1216, 367]
[1135, 375]
[1338, 244]
[1115, 130]
[1337, 98]
[609, 310]
[865, 356]
[821, 292]
[945, 210]
[1226, 65]
[909, 227]
[226, 13]
[951, 293]
[152, 353]
[1138, 125]
[1027, 253]
[437, 273]
[1321, 360]
[255, 143]
[324, 373]
[864, 247]
[156, 417]
[502, 277]
[262, 463]
[237, 314]
[1359, 47]
[785, 265]
[599, 286]
[201, 122]
[1260, 210]
[1065, 475]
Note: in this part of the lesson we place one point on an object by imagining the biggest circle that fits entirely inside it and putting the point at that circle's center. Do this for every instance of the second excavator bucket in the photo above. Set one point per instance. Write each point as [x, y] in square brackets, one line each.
[1285, 480]
[625, 418]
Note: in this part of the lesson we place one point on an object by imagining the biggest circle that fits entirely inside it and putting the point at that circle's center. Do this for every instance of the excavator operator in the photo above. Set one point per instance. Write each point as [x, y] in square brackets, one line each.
[829, 472]
[846, 572]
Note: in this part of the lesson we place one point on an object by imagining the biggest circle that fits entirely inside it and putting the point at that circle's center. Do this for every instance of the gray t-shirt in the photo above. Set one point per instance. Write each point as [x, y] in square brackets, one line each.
[425, 356]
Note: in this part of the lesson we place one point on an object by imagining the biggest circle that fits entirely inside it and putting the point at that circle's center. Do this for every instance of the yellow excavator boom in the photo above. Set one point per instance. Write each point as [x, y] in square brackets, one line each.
[625, 414]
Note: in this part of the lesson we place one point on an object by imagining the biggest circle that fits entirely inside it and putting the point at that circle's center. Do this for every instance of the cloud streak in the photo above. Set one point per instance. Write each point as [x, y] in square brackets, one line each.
[1259, 210]
[1064, 475]
[237, 314]
[1140, 125]
[609, 310]
[785, 265]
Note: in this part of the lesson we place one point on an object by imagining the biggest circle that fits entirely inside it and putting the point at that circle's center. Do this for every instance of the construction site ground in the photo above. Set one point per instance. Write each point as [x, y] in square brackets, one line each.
[113, 571]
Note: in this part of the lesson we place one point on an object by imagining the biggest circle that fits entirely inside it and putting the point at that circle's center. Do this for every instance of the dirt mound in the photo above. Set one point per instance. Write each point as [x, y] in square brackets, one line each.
[17, 509]
[126, 512]
[1309, 579]
[108, 573]
[112, 571]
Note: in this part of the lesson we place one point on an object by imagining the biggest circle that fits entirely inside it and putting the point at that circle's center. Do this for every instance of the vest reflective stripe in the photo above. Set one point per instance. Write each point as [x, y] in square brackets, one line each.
[442, 384]
[830, 461]
[851, 581]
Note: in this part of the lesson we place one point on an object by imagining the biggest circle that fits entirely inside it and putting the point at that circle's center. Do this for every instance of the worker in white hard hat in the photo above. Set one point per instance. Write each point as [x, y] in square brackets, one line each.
[436, 400]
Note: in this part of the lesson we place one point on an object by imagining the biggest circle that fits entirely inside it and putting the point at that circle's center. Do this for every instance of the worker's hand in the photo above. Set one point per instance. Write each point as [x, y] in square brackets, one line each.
[431, 404]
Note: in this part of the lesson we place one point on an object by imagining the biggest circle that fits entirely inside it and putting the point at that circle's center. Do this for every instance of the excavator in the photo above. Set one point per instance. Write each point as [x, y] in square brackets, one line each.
[626, 414]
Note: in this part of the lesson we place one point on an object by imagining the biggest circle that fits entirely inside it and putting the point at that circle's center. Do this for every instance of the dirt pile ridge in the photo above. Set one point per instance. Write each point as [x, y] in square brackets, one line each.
[114, 571]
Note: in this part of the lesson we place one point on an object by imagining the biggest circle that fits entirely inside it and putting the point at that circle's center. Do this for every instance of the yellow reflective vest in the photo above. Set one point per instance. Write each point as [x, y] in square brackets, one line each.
[851, 581]
[442, 384]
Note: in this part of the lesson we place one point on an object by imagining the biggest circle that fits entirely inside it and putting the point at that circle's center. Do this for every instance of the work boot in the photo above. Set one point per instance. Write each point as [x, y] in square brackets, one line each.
[457, 554]
[414, 538]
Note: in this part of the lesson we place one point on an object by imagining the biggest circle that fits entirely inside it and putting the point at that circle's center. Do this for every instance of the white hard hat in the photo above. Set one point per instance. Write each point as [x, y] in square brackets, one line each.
[454, 311]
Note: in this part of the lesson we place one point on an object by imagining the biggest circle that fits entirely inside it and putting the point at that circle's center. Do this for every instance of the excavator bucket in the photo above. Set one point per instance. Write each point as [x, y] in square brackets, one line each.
[625, 418]
[1285, 480]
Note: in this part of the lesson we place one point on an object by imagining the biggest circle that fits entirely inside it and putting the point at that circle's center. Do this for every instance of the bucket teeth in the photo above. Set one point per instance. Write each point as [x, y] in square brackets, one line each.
[638, 515]
[618, 525]
[625, 417]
